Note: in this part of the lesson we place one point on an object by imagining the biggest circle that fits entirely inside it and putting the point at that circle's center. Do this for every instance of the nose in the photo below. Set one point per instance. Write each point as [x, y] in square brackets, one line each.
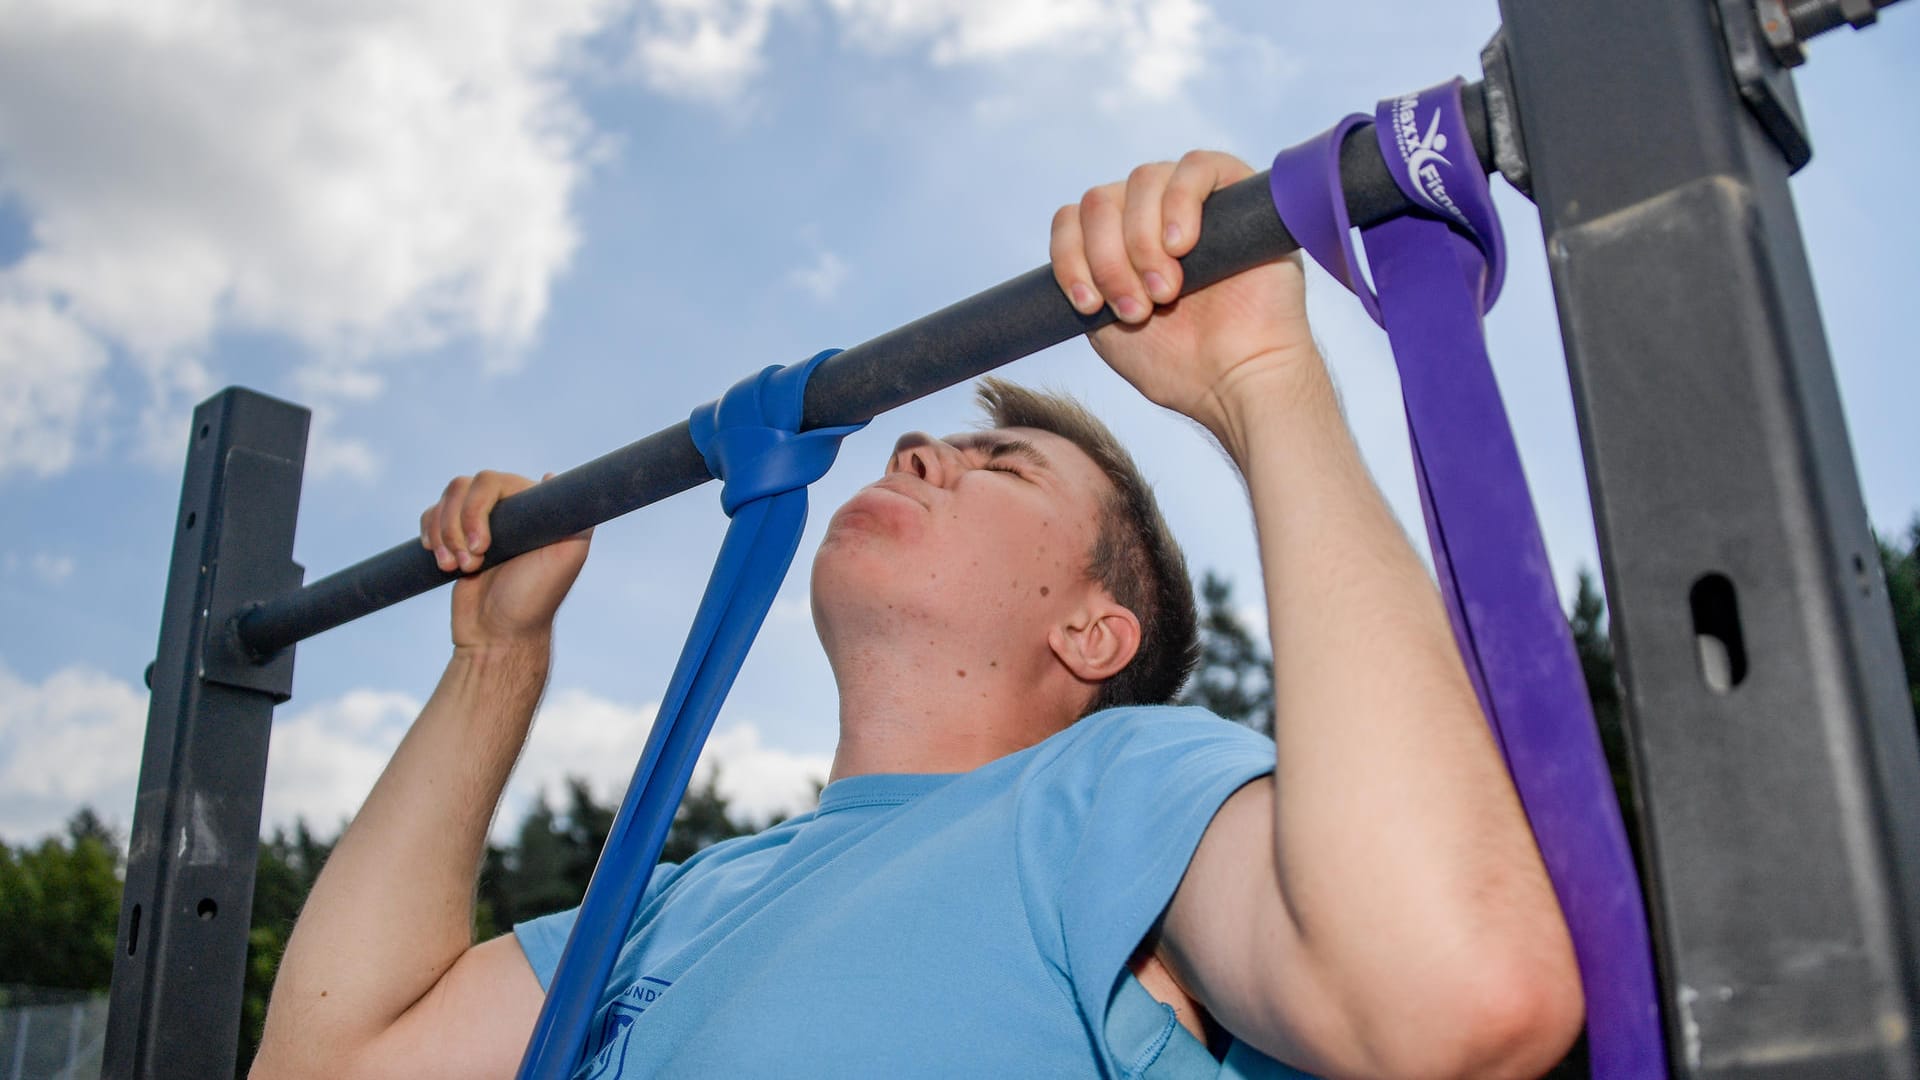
[924, 456]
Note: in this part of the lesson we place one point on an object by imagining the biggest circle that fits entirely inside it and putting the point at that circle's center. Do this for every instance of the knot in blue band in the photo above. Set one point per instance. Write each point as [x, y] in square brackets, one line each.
[751, 437]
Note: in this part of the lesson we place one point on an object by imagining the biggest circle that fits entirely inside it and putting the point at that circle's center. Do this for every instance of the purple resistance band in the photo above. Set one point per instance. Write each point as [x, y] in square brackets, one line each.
[1438, 272]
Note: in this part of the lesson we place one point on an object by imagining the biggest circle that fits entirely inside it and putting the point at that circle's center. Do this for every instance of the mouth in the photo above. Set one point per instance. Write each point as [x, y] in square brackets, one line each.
[885, 486]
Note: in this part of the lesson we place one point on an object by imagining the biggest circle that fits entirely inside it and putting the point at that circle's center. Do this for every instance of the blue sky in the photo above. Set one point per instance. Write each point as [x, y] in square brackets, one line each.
[515, 234]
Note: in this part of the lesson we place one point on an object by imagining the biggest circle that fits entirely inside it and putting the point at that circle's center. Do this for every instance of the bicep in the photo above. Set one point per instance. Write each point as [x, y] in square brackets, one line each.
[1230, 937]
[473, 1023]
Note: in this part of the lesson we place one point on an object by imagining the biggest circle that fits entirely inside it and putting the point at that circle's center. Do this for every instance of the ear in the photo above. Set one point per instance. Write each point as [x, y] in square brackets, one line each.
[1098, 641]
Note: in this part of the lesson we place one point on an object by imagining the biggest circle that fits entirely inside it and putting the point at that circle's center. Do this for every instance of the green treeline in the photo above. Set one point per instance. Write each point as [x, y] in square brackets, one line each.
[60, 897]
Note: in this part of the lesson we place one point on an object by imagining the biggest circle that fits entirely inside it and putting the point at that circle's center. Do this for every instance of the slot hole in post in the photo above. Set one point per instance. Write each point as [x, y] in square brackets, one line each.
[133, 930]
[1720, 644]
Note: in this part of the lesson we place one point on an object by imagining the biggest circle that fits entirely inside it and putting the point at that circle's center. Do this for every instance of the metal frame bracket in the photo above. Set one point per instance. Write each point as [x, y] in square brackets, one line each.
[1764, 83]
[245, 573]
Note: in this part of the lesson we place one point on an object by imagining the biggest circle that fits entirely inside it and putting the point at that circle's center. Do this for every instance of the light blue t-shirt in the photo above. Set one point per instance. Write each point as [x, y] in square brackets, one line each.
[976, 924]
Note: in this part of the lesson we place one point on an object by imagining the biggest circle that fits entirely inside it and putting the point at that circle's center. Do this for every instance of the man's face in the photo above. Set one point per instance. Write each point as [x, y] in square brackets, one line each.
[988, 533]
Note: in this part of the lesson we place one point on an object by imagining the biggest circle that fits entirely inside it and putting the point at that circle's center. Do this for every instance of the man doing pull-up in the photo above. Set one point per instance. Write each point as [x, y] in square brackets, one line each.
[1017, 854]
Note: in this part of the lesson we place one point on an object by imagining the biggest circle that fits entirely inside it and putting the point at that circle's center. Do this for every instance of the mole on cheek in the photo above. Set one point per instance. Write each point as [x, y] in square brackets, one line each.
[960, 672]
[1044, 591]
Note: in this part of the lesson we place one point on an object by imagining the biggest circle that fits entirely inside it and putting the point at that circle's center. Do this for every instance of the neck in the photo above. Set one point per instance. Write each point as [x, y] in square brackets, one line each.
[941, 709]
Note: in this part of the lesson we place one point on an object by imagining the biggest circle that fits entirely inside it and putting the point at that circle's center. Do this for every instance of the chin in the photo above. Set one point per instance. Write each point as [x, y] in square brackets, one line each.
[857, 584]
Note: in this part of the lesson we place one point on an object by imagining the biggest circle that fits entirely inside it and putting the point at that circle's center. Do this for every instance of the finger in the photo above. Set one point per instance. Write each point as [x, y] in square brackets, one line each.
[489, 488]
[1199, 174]
[444, 515]
[1106, 248]
[430, 537]
[1159, 273]
[453, 539]
[1067, 248]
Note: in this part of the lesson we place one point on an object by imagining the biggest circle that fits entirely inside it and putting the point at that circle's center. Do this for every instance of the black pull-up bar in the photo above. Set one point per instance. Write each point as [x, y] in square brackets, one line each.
[1016, 318]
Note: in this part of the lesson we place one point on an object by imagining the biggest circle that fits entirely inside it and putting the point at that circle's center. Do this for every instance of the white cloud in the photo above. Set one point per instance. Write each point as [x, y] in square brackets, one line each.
[704, 50]
[332, 454]
[371, 179]
[1158, 39]
[329, 389]
[75, 740]
[49, 568]
[712, 49]
[364, 178]
[72, 740]
[823, 277]
[760, 781]
[52, 569]
[791, 610]
[582, 734]
[49, 371]
[339, 383]
[323, 760]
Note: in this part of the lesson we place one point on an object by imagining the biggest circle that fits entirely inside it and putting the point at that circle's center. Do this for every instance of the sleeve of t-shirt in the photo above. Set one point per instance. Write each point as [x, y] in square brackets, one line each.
[544, 938]
[1107, 827]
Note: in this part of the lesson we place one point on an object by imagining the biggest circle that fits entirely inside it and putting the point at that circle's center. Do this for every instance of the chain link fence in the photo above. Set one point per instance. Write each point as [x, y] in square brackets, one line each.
[51, 1034]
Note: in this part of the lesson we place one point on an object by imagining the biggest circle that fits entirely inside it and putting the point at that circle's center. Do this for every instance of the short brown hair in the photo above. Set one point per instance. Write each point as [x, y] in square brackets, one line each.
[1135, 557]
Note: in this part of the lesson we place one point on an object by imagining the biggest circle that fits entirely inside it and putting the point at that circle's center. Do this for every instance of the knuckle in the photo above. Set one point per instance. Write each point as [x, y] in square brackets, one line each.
[1100, 199]
[1112, 274]
[1066, 216]
[1148, 172]
[1143, 240]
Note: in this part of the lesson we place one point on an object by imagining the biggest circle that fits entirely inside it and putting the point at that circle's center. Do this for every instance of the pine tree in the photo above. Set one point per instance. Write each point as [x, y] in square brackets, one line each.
[60, 908]
[1588, 621]
[1235, 676]
[1902, 569]
[703, 819]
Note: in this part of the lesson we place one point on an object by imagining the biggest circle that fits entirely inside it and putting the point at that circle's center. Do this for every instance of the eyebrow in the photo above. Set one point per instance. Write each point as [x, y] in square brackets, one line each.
[998, 448]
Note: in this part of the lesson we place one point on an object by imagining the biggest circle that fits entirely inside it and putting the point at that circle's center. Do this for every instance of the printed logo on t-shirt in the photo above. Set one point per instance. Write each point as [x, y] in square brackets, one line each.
[616, 1026]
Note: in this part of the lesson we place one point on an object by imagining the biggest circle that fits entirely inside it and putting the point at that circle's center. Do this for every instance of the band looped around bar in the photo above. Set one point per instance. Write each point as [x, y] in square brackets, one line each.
[1429, 153]
[751, 437]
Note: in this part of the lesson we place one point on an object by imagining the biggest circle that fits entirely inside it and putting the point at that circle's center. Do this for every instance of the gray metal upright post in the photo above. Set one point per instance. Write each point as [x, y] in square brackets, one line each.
[180, 962]
[1771, 735]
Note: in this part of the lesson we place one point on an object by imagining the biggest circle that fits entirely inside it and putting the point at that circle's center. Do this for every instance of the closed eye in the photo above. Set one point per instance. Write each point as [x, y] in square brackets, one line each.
[994, 453]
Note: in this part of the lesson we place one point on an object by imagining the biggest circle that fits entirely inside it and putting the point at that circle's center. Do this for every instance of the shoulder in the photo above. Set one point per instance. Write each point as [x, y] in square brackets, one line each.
[1147, 734]
[1109, 814]
[1140, 767]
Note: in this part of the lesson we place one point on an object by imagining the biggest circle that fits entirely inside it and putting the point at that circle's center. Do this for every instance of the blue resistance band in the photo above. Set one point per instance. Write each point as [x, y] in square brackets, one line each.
[751, 440]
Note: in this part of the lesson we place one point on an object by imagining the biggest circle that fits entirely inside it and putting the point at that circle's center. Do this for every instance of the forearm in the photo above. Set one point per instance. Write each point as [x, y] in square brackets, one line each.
[1400, 845]
[393, 909]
